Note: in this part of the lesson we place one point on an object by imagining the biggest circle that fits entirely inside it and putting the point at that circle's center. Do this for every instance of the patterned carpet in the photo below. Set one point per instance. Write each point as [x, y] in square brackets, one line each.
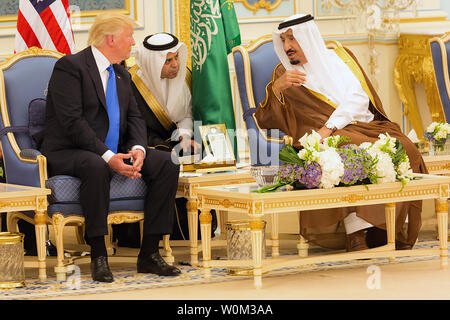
[128, 279]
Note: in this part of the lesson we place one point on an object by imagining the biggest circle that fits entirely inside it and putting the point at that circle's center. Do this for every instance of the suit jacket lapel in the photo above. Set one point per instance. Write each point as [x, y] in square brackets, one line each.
[95, 75]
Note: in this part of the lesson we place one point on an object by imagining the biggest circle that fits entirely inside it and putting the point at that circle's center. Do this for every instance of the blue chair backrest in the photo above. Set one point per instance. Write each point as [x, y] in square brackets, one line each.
[254, 66]
[24, 77]
[26, 80]
[440, 53]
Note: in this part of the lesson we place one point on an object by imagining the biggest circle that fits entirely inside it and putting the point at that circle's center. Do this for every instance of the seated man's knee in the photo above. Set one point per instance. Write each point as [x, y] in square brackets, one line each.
[95, 165]
[167, 165]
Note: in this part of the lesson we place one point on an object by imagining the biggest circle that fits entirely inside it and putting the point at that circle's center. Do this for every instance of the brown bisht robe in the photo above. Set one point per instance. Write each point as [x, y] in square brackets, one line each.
[299, 111]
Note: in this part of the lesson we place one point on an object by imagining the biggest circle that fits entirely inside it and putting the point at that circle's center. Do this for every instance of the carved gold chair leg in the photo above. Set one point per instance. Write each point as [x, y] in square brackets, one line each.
[11, 222]
[167, 252]
[58, 226]
[79, 232]
[110, 246]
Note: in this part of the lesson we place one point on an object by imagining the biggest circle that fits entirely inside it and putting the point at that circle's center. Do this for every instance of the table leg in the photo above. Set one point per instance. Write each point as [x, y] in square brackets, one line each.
[257, 227]
[205, 229]
[390, 226]
[302, 244]
[41, 231]
[275, 238]
[222, 222]
[442, 219]
[192, 213]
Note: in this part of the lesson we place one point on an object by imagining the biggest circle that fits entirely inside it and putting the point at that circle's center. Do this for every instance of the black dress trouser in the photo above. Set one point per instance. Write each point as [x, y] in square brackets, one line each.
[159, 172]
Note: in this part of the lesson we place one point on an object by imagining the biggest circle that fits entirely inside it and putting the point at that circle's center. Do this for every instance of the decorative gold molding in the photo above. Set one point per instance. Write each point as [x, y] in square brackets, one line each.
[124, 217]
[257, 225]
[441, 206]
[444, 192]
[41, 203]
[191, 206]
[414, 64]
[205, 218]
[15, 204]
[40, 218]
[260, 4]
[182, 25]
[352, 198]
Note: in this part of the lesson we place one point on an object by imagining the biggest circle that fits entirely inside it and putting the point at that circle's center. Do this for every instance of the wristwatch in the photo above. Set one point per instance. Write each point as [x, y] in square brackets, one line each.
[331, 127]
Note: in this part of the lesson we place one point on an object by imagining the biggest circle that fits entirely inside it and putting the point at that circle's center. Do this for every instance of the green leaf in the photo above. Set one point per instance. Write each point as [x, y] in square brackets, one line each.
[288, 154]
[271, 188]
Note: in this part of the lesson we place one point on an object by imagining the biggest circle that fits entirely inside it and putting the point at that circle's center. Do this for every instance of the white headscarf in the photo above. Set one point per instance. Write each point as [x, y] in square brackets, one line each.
[172, 94]
[326, 73]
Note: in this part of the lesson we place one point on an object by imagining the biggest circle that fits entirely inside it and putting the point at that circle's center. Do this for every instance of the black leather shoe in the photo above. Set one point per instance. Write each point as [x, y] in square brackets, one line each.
[100, 270]
[156, 264]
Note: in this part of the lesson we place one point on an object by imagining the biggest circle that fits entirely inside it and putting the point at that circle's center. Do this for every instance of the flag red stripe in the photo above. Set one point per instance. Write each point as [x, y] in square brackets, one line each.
[51, 29]
[26, 31]
[66, 6]
[54, 30]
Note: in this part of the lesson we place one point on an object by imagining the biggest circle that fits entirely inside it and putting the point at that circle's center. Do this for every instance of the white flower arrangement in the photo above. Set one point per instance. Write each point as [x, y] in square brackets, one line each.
[389, 166]
[327, 164]
[332, 168]
[437, 132]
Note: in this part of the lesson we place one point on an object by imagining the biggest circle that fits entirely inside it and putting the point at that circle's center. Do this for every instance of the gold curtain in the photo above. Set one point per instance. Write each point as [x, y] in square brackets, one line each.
[182, 24]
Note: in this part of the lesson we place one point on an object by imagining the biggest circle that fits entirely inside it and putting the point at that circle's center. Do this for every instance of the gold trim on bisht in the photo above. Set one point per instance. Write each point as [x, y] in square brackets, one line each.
[348, 60]
[188, 78]
[150, 99]
[323, 98]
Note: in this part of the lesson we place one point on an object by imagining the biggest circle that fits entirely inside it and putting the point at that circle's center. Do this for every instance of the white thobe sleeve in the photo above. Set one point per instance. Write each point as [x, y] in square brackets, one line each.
[185, 122]
[354, 108]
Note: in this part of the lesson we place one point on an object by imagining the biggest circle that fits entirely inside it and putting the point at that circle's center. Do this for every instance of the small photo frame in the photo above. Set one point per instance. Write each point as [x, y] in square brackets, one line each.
[217, 143]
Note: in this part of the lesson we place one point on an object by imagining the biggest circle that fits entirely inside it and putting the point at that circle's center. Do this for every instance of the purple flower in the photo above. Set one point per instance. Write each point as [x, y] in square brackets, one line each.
[356, 163]
[312, 175]
[309, 176]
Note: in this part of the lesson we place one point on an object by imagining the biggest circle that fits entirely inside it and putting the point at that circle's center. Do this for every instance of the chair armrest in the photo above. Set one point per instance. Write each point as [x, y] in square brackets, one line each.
[30, 154]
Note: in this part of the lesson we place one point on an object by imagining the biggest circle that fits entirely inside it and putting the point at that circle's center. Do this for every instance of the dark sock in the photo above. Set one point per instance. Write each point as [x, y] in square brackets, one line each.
[98, 247]
[150, 245]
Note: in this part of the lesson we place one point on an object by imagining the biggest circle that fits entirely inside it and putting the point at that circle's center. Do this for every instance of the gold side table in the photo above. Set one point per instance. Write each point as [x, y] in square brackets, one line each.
[239, 198]
[16, 198]
[187, 187]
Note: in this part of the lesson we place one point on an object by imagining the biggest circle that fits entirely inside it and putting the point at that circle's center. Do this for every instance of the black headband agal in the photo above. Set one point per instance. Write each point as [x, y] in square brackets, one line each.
[160, 47]
[295, 21]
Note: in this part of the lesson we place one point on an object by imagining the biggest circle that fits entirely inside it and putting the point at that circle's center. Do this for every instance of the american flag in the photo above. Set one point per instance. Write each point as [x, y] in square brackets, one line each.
[44, 24]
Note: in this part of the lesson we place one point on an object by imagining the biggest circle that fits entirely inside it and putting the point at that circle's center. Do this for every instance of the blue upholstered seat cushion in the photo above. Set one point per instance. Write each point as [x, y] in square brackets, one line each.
[66, 189]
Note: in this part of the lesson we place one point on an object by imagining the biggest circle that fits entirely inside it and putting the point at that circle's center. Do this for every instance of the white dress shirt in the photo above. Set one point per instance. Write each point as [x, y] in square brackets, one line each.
[102, 64]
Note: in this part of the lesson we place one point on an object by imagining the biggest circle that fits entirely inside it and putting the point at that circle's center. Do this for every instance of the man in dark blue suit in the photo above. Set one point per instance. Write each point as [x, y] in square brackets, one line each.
[94, 130]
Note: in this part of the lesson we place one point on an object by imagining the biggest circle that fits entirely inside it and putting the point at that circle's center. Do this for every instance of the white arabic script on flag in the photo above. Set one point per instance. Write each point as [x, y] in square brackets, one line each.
[44, 24]
[204, 14]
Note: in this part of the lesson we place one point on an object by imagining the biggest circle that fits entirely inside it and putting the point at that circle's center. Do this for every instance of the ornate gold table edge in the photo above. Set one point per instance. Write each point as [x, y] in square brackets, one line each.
[256, 205]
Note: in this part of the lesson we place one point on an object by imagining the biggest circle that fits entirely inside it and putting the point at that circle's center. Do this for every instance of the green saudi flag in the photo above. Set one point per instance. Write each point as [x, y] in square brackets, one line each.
[214, 32]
